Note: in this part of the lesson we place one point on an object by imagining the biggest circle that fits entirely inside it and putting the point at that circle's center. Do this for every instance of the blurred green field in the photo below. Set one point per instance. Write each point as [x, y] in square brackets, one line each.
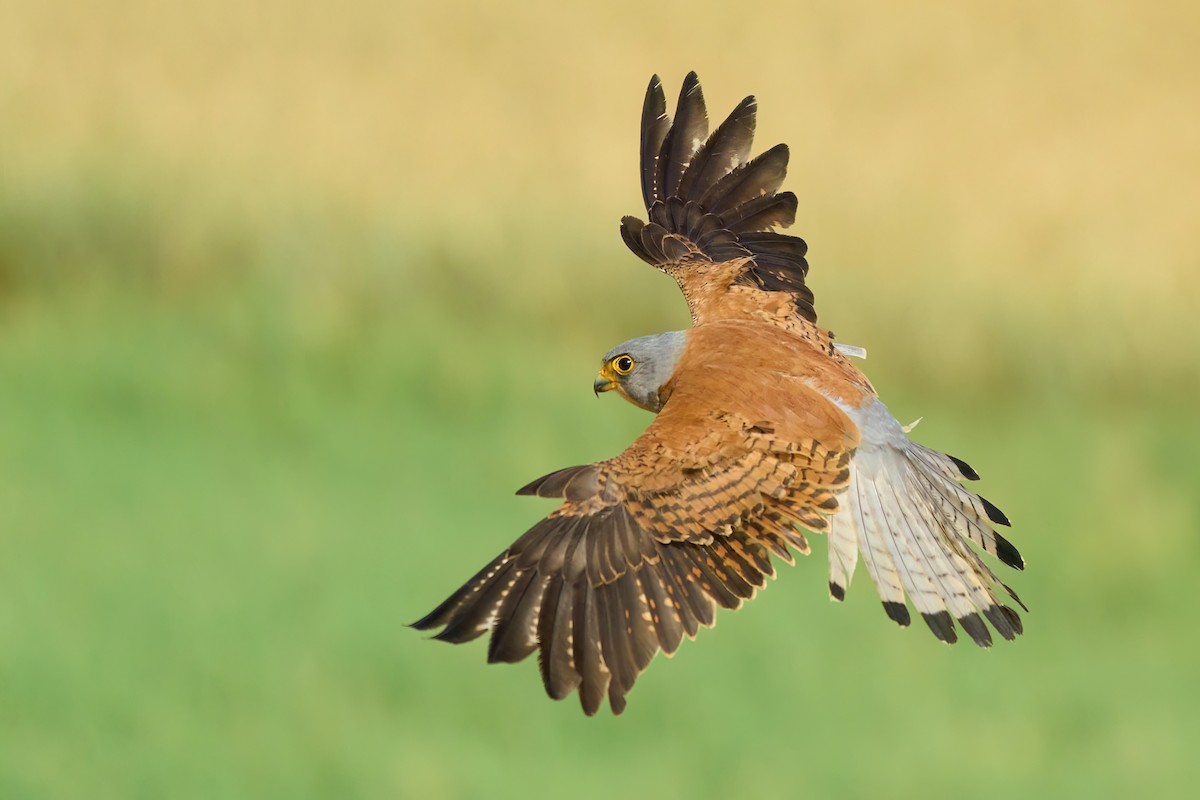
[291, 301]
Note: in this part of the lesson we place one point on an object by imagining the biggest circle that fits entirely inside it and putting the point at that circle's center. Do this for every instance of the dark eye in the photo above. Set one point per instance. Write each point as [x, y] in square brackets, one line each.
[622, 364]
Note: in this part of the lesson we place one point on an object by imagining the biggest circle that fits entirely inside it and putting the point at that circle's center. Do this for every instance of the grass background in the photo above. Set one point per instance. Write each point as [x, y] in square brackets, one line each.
[293, 298]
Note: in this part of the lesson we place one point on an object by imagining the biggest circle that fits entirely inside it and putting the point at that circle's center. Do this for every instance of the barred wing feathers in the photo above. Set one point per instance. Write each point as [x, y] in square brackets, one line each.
[644, 548]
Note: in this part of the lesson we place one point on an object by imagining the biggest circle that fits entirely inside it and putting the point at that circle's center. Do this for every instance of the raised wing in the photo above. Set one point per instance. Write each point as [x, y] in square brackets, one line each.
[647, 544]
[712, 210]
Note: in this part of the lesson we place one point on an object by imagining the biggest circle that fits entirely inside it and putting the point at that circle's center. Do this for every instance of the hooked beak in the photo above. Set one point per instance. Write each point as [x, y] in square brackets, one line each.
[603, 383]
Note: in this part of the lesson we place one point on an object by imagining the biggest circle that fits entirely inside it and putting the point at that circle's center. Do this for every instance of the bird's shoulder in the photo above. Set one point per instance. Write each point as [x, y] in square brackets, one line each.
[743, 387]
[772, 367]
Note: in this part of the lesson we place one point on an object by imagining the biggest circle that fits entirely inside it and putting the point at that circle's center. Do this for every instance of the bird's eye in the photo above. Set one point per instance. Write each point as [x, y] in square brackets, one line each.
[622, 364]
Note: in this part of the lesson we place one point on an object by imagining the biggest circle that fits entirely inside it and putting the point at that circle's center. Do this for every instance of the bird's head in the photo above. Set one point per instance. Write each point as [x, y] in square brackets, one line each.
[640, 369]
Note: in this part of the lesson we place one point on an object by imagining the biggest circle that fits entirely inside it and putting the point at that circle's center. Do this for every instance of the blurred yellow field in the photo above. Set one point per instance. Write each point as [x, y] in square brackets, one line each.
[292, 299]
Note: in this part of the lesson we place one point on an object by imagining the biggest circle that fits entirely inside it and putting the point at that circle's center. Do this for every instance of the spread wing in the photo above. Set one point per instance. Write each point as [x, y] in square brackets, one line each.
[713, 209]
[647, 544]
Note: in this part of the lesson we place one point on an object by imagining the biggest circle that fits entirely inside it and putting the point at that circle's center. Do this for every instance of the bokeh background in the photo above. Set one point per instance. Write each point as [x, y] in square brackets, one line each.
[293, 297]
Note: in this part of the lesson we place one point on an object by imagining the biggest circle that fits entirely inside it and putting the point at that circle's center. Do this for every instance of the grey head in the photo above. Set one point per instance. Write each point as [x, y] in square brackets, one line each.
[638, 369]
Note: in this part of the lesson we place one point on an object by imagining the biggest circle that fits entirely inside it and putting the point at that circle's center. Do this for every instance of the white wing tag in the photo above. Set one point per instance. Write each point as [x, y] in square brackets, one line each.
[851, 350]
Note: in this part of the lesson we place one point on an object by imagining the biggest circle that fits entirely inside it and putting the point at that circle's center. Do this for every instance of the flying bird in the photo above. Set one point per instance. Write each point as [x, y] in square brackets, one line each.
[765, 431]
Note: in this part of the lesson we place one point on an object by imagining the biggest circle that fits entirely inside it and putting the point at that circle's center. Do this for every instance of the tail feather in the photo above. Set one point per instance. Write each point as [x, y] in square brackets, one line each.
[961, 564]
[843, 552]
[968, 513]
[876, 553]
[908, 515]
[951, 468]
[949, 581]
[957, 541]
[919, 570]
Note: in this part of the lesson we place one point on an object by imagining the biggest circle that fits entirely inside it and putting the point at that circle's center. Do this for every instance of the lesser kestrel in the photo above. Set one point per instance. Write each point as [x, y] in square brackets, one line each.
[765, 431]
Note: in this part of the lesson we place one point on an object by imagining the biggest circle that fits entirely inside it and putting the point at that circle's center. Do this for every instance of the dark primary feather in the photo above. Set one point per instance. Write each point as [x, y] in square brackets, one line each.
[597, 597]
[571, 483]
[758, 177]
[708, 200]
[684, 137]
[762, 212]
[728, 146]
[654, 129]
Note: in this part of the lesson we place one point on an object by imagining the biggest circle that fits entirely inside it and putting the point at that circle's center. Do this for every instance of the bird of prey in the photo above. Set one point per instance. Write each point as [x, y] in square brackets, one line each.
[765, 431]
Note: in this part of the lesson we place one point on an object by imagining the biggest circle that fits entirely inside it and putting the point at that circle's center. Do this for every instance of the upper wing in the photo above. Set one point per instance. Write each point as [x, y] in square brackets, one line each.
[712, 210]
[646, 544]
